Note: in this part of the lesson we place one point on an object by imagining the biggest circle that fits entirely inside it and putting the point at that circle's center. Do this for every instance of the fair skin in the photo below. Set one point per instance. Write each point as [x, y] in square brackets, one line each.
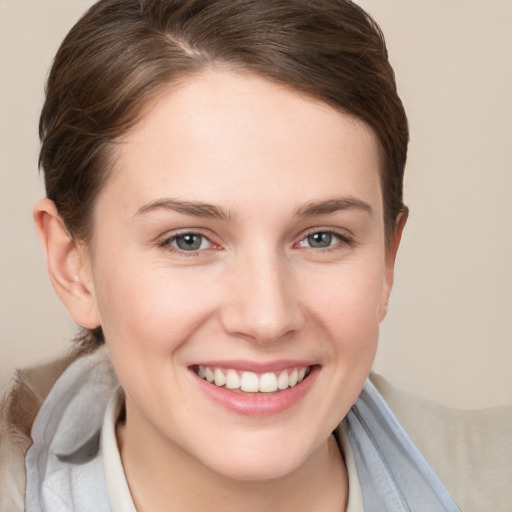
[285, 269]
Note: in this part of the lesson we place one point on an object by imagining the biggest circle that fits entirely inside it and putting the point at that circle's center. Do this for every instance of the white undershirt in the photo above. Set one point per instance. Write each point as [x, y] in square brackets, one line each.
[117, 487]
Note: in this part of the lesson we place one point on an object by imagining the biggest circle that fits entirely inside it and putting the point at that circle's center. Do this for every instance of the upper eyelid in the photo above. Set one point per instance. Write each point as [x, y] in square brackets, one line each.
[343, 233]
[344, 240]
[167, 244]
[181, 232]
[166, 241]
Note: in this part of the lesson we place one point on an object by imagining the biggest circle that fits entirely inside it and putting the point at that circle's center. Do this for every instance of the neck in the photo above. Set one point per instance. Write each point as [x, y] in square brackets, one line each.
[163, 477]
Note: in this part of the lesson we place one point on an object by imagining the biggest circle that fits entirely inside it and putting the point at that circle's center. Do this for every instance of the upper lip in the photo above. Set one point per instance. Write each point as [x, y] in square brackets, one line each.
[255, 367]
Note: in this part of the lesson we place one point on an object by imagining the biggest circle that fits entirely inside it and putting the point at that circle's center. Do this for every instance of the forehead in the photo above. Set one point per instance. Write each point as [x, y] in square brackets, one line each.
[234, 135]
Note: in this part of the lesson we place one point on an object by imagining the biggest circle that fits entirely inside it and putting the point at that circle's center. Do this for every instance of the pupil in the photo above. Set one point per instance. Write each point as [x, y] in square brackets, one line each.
[189, 242]
[320, 240]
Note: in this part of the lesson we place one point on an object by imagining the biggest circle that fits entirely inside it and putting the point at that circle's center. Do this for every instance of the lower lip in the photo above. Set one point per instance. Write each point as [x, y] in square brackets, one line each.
[258, 404]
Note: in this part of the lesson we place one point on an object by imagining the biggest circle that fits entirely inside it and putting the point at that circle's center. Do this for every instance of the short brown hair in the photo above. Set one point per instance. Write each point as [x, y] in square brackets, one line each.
[122, 53]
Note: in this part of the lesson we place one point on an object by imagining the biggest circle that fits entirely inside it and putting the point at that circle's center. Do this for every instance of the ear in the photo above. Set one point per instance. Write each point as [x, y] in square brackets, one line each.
[68, 265]
[391, 252]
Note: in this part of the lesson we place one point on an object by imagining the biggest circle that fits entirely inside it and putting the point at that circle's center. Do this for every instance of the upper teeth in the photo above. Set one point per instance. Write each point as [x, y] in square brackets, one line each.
[251, 382]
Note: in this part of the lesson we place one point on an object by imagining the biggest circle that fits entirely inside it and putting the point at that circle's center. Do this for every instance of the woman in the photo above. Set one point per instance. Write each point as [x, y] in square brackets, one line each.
[224, 207]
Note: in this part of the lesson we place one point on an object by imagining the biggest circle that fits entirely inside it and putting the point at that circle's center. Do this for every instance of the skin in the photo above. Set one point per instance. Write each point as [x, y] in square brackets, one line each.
[256, 290]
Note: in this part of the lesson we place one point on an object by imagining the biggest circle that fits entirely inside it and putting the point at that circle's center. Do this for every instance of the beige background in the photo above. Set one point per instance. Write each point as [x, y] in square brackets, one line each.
[448, 335]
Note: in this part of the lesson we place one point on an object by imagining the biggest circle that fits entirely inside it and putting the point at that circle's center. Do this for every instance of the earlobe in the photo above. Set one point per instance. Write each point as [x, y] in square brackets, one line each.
[68, 265]
[390, 260]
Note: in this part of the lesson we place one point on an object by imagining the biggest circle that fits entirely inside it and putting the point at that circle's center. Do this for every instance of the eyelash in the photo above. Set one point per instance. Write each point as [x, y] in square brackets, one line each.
[343, 240]
[167, 243]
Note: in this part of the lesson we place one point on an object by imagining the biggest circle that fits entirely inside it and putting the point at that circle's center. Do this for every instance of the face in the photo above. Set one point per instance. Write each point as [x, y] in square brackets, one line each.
[240, 238]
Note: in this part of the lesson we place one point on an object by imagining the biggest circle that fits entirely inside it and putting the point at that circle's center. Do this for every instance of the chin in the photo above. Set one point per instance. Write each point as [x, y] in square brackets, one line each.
[257, 461]
[257, 471]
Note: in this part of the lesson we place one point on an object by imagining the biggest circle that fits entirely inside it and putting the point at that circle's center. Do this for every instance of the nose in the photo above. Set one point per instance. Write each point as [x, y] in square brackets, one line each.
[262, 304]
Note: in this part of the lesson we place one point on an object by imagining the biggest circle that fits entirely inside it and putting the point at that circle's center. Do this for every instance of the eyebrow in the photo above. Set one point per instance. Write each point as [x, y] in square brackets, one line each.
[332, 206]
[196, 209]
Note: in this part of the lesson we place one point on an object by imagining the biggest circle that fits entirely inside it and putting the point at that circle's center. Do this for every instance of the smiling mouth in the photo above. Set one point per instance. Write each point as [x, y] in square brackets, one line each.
[250, 382]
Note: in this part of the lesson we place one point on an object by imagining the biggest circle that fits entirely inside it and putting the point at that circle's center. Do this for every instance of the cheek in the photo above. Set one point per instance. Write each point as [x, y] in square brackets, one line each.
[150, 307]
[349, 297]
[347, 304]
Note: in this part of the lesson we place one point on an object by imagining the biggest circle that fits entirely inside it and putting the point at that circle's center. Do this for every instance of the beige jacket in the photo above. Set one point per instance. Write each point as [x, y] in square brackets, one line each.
[471, 451]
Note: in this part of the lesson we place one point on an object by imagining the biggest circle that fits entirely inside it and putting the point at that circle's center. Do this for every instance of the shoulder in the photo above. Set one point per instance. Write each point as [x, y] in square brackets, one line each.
[18, 409]
[470, 450]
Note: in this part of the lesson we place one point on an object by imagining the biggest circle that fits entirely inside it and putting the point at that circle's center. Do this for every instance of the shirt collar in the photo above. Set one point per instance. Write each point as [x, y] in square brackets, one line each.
[117, 487]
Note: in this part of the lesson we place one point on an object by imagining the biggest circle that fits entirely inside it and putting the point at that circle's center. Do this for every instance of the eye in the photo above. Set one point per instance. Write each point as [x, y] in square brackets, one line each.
[188, 242]
[323, 240]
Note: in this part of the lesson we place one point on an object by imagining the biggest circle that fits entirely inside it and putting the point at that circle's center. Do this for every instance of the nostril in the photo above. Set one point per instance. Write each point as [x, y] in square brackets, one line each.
[262, 330]
[262, 306]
